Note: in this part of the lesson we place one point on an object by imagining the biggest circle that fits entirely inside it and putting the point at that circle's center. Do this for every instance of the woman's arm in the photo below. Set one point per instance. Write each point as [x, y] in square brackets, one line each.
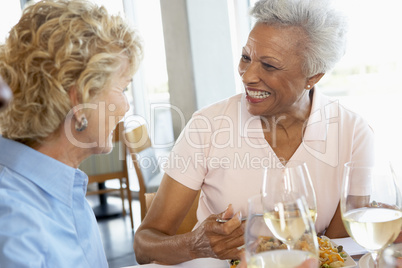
[336, 229]
[155, 239]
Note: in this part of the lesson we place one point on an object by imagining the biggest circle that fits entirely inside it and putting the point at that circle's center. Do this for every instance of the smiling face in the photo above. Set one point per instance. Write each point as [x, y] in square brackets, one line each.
[271, 71]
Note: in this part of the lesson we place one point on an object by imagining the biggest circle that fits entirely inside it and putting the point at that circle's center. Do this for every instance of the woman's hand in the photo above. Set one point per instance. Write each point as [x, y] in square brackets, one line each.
[220, 240]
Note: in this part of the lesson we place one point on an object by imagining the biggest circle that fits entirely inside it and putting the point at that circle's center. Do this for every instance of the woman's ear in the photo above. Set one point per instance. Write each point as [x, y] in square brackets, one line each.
[75, 101]
[313, 80]
[81, 121]
[74, 95]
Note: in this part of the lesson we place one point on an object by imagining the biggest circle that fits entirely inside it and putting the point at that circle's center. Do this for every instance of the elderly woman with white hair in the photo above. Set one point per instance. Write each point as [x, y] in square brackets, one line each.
[281, 116]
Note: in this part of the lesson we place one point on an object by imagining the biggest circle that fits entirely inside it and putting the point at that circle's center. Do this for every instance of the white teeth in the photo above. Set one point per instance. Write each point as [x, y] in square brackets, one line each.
[258, 94]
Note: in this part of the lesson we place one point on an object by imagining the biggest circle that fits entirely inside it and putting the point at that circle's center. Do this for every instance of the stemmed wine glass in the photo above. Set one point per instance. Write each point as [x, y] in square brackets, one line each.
[284, 202]
[291, 178]
[299, 180]
[264, 250]
[371, 206]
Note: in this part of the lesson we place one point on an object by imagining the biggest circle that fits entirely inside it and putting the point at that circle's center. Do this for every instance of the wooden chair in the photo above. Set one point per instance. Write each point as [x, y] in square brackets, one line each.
[188, 222]
[149, 175]
[113, 166]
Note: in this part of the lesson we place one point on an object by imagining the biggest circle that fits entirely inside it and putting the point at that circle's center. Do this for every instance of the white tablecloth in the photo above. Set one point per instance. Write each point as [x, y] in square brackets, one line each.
[196, 263]
[350, 246]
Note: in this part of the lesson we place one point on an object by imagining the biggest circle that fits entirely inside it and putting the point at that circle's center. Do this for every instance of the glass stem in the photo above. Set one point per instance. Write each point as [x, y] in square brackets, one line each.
[376, 258]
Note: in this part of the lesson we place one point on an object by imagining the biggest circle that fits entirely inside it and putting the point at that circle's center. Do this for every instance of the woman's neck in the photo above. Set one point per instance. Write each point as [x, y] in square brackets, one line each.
[296, 116]
[59, 147]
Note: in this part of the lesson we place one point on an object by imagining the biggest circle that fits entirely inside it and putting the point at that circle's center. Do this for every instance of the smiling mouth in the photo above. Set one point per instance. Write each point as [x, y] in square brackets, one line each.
[257, 94]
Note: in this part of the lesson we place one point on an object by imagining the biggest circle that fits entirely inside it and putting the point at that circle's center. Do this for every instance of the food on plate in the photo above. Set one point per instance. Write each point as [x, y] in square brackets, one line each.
[234, 263]
[269, 243]
[330, 256]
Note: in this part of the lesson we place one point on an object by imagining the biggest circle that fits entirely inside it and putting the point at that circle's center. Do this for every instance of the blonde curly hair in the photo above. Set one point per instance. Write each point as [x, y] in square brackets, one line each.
[57, 45]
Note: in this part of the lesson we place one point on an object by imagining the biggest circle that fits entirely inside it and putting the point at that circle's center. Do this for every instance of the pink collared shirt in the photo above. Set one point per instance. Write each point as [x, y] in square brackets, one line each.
[222, 151]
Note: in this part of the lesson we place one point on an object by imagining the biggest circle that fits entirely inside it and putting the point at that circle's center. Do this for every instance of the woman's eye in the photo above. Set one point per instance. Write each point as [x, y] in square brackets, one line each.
[268, 66]
[245, 58]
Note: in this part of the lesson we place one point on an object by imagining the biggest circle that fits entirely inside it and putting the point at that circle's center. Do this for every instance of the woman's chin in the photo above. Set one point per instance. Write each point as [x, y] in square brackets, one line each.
[106, 147]
[106, 150]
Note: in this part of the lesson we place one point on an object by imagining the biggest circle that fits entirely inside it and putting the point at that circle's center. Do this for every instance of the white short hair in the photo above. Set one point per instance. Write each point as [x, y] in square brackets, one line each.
[324, 25]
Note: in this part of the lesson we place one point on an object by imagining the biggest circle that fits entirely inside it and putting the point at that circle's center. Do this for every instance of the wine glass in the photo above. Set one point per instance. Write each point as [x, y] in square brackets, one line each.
[371, 206]
[264, 250]
[291, 178]
[392, 256]
[299, 180]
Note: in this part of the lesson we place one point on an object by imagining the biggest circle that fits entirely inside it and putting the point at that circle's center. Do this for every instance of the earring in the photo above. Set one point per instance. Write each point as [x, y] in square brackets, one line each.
[308, 86]
[81, 125]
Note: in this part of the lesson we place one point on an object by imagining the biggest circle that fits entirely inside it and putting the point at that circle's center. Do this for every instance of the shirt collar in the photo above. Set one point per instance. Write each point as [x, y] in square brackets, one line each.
[322, 111]
[316, 129]
[52, 176]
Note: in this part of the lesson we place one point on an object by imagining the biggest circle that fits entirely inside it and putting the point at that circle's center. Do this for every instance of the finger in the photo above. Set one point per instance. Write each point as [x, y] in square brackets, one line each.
[224, 243]
[243, 262]
[228, 227]
[235, 242]
[229, 254]
[228, 213]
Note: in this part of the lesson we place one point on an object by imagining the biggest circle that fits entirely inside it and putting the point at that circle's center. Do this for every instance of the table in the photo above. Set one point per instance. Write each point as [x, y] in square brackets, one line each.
[196, 263]
[349, 245]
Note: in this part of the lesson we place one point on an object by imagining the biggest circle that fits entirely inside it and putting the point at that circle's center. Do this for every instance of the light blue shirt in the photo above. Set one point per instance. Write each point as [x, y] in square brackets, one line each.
[45, 219]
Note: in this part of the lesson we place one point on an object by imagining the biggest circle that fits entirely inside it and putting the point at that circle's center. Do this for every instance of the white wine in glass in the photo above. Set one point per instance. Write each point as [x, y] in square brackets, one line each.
[299, 179]
[286, 221]
[291, 178]
[264, 250]
[371, 206]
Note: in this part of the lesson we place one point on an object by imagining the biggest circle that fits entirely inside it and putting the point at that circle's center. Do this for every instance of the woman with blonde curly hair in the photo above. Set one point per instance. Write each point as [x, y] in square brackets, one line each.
[67, 64]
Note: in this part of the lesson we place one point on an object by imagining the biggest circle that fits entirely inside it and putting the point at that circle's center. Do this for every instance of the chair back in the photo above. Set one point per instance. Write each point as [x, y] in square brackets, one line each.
[145, 162]
[113, 166]
[108, 165]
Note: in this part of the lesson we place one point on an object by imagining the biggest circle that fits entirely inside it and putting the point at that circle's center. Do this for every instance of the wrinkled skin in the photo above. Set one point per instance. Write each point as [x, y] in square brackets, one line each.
[220, 240]
[156, 240]
[5, 95]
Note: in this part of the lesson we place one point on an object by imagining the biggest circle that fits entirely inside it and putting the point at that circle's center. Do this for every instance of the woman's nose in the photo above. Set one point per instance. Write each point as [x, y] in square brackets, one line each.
[249, 72]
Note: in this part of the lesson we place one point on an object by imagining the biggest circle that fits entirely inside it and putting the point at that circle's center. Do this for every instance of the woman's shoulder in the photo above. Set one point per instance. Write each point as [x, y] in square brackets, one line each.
[227, 106]
[335, 109]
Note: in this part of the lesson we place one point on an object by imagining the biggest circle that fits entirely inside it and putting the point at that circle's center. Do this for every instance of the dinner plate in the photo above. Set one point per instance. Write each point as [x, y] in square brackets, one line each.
[366, 261]
[349, 262]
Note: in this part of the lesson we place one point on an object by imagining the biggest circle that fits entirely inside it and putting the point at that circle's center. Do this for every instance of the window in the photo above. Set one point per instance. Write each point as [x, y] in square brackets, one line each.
[9, 15]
